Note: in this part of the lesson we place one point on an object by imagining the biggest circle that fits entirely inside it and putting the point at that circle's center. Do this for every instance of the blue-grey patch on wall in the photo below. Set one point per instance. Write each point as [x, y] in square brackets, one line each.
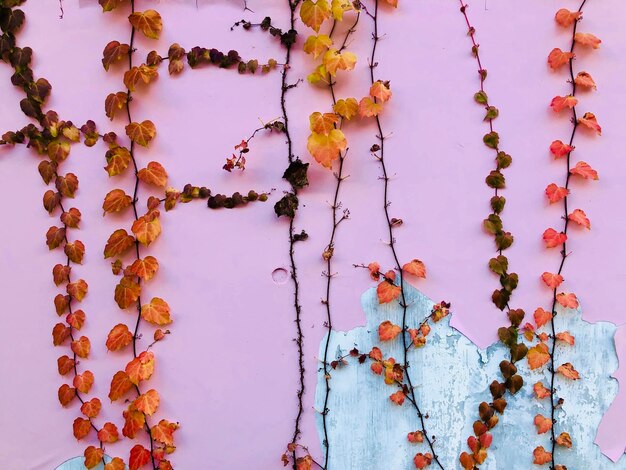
[78, 463]
[452, 376]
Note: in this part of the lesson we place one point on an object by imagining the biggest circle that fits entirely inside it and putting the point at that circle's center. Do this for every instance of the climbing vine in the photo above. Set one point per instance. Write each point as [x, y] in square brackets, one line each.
[499, 265]
[544, 351]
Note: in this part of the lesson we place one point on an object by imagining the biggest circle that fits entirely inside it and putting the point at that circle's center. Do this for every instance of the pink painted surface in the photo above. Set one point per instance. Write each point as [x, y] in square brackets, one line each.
[228, 372]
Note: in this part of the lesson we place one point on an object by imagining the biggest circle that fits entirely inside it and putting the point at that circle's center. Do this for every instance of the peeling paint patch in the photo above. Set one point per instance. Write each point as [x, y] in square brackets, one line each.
[452, 376]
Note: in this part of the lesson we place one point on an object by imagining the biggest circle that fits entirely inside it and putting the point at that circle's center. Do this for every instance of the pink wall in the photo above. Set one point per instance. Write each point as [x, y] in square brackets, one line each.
[228, 372]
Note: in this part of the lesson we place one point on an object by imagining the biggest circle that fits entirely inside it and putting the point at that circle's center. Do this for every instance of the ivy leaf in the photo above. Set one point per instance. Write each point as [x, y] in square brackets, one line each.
[76, 319]
[326, 148]
[578, 216]
[119, 337]
[118, 159]
[108, 5]
[567, 370]
[142, 73]
[317, 45]
[120, 385]
[153, 174]
[127, 292]
[115, 464]
[93, 455]
[67, 185]
[71, 218]
[566, 18]
[369, 108]
[564, 440]
[156, 312]
[556, 193]
[541, 391]
[491, 140]
[287, 206]
[139, 456]
[54, 237]
[60, 333]
[398, 397]
[81, 347]
[566, 337]
[147, 227]
[65, 364]
[559, 149]
[141, 367]
[559, 103]
[585, 80]
[552, 238]
[83, 382]
[115, 201]
[542, 317]
[537, 356]
[590, 122]
[557, 58]
[388, 331]
[567, 300]
[148, 22]
[133, 422]
[66, 394]
[551, 280]
[296, 174]
[380, 90]
[75, 251]
[118, 243]
[164, 432]
[148, 402]
[175, 55]
[540, 456]
[91, 408]
[584, 170]
[387, 292]
[334, 60]
[416, 268]
[323, 123]
[77, 290]
[81, 427]
[108, 434]
[141, 133]
[587, 39]
[543, 424]
[144, 268]
[347, 108]
[114, 52]
[115, 102]
[499, 265]
[314, 13]
[415, 437]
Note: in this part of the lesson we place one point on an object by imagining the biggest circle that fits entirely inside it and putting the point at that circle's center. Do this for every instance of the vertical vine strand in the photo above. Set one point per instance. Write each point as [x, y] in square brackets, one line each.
[392, 245]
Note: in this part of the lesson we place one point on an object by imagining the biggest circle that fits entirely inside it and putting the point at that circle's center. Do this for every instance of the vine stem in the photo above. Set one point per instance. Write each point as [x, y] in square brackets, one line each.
[564, 247]
[330, 250]
[392, 244]
[136, 215]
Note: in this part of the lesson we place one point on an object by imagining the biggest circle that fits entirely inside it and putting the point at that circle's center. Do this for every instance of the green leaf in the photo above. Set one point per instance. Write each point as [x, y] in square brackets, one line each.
[491, 140]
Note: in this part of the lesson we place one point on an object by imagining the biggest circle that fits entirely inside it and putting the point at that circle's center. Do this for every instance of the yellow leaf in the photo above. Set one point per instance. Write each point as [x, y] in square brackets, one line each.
[335, 60]
[148, 22]
[314, 13]
[326, 148]
[318, 75]
[380, 90]
[323, 123]
[143, 73]
[347, 108]
[317, 45]
[339, 7]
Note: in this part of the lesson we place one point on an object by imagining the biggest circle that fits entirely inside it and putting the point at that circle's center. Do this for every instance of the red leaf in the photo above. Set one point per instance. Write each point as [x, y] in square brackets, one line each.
[398, 397]
[552, 238]
[584, 170]
[543, 424]
[556, 193]
[541, 456]
[139, 456]
[557, 58]
[559, 103]
[567, 300]
[553, 281]
[108, 433]
[580, 218]
[542, 317]
[388, 331]
[415, 267]
[422, 460]
[590, 122]
[560, 149]
[566, 18]
[585, 80]
[387, 292]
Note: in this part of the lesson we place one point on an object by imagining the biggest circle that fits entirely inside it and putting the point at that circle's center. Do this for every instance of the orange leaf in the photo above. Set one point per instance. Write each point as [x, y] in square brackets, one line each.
[66, 394]
[564, 440]
[388, 331]
[81, 427]
[559, 149]
[374, 269]
[590, 122]
[81, 347]
[77, 290]
[541, 391]
[585, 80]
[67, 185]
[553, 281]
[567, 300]
[118, 159]
[139, 456]
[387, 292]
[119, 337]
[415, 267]
[557, 58]
[559, 103]
[566, 338]
[584, 170]
[415, 437]
[114, 52]
[380, 90]
[148, 402]
[552, 238]
[148, 22]
[133, 422]
[93, 456]
[60, 332]
[108, 434]
[127, 292]
[91, 408]
[83, 382]
[141, 133]
[317, 45]
[334, 60]
[164, 432]
[542, 317]
[71, 218]
[326, 148]
[323, 123]
[541, 456]
[543, 424]
[537, 356]
[422, 460]
[61, 274]
[54, 237]
[567, 370]
[144, 268]
[587, 39]
[65, 364]
[566, 18]
[115, 102]
[120, 384]
[153, 174]
[115, 464]
[369, 108]
[398, 397]
[141, 367]
[118, 243]
[143, 73]
[75, 251]
[580, 218]
[156, 312]
[467, 461]
[116, 200]
[147, 227]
